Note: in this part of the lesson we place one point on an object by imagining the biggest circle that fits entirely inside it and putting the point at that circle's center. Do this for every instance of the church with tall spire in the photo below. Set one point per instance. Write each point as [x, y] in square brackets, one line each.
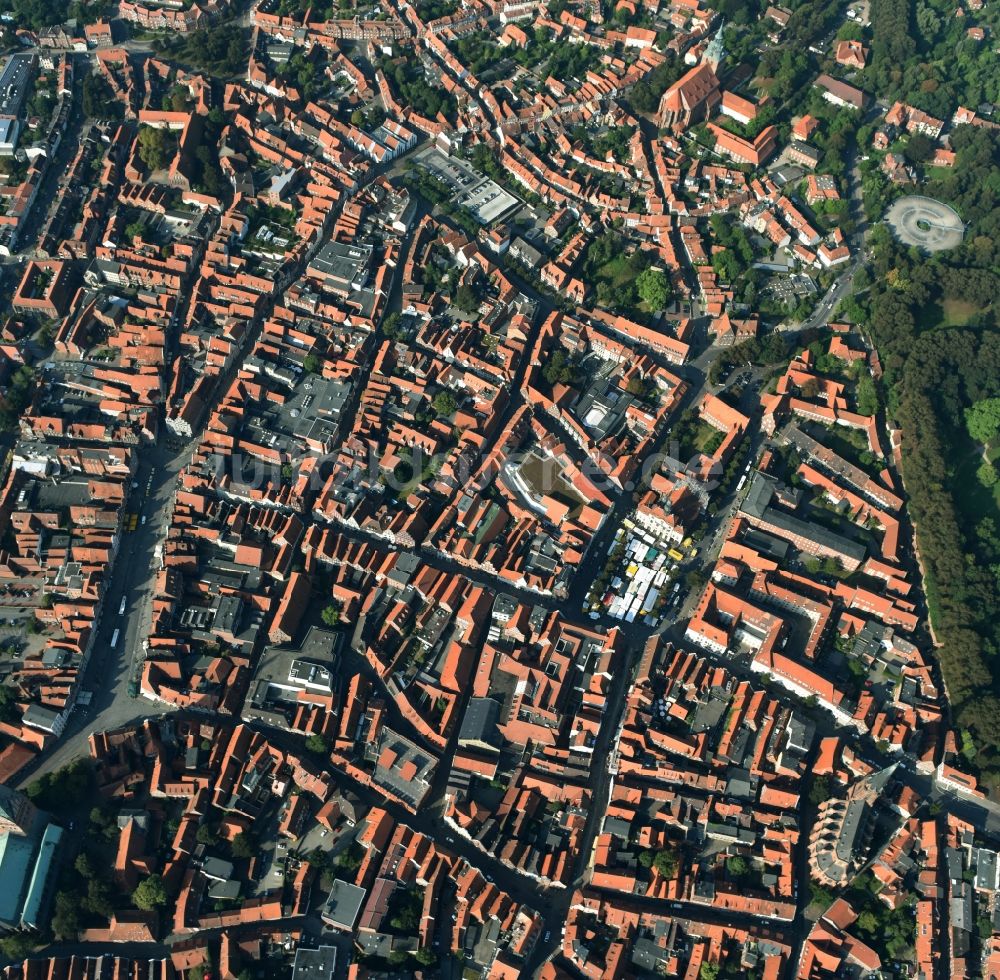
[694, 95]
[715, 50]
[29, 849]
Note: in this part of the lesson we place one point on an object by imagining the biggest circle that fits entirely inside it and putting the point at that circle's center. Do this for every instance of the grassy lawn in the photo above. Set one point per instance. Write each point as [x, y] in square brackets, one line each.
[407, 480]
[948, 313]
[621, 270]
[936, 173]
[611, 267]
[707, 438]
[958, 312]
[836, 367]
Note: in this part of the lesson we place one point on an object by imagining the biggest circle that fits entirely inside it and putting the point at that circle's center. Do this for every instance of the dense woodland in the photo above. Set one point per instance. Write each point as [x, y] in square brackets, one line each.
[934, 374]
[920, 52]
[38, 14]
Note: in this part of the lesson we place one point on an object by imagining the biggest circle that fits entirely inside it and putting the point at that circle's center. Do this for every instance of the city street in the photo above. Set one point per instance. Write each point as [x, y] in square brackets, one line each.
[276, 156]
[112, 669]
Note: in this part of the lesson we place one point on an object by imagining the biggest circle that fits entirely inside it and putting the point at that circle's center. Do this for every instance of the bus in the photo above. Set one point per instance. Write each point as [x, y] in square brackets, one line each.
[114, 638]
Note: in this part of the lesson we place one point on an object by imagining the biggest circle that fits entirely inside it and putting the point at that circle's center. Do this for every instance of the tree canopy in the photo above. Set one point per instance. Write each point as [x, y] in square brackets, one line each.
[665, 864]
[63, 789]
[944, 389]
[153, 147]
[982, 419]
[222, 49]
[17, 396]
[444, 403]
[244, 845]
[150, 894]
[38, 14]
[654, 288]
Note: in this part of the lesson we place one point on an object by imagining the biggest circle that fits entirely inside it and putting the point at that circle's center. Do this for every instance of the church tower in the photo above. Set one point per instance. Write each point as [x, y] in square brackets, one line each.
[17, 813]
[715, 51]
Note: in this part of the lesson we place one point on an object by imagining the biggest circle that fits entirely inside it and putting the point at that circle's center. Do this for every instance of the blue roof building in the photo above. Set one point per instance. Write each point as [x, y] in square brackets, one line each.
[37, 900]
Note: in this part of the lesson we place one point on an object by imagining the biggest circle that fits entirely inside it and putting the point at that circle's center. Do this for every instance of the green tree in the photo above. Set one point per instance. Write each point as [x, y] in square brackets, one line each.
[349, 860]
[390, 325]
[708, 971]
[8, 704]
[737, 866]
[982, 419]
[150, 894]
[221, 48]
[98, 898]
[317, 744]
[867, 396]
[17, 946]
[207, 834]
[727, 265]
[66, 917]
[176, 100]
[654, 288]
[819, 791]
[919, 148]
[466, 298]
[407, 917]
[868, 923]
[425, 956]
[987, 474]
[311, 364]
[321, 860]
[63, 789]
[17, 397]
[636, 386]
[330, 615]
[558, 369]
[209, 177]
[99, 101]
[821, 896]
[444, 403]
[84, 866]
[153, 147]
[244, 845]
[101, 818]
[665, 864]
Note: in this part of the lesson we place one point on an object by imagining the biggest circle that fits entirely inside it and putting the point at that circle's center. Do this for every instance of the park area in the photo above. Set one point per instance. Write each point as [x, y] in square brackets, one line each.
[624, 279]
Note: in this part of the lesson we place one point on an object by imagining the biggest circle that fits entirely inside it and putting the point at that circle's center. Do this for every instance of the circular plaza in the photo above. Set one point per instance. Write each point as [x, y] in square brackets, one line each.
[926, 223]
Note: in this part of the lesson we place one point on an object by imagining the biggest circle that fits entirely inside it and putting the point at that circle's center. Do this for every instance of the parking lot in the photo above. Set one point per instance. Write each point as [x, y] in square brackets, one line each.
[17, 623]
[795, 286]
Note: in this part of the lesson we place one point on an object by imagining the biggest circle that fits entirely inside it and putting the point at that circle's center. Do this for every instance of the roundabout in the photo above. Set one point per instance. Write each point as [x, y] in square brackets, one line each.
[925, 223]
